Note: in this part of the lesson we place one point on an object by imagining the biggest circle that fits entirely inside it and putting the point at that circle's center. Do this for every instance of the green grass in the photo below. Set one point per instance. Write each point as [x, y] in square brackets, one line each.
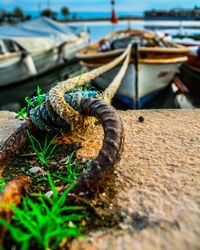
[45, 222]
[71, 172]
[81, 73]
[43, 150]
[2, 183]
[68, 174]
[22, 113]
[38, 100]
[71, 169]
[84, 87]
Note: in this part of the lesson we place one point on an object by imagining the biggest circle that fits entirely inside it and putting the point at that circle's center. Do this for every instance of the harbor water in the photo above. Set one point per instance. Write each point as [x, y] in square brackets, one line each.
[102, 28]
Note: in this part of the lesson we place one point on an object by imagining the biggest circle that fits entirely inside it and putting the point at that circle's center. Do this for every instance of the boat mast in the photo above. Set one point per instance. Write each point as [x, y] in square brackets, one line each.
[135, 58]
[39, 7]
[49, 4]
[114, 17]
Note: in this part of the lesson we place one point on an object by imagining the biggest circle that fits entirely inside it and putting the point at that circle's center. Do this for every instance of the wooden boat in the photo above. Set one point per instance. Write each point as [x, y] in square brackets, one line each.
[190, 70]
[158, 61]
[37, 46]
[182, 95]
[190, 76]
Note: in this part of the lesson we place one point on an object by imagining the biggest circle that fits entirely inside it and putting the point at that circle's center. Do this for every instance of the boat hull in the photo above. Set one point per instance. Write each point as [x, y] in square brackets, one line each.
[157, 64]
[19, 68]
[70, 50]
[15, 68]
[152, 78]
[12, 69]
[190, 76]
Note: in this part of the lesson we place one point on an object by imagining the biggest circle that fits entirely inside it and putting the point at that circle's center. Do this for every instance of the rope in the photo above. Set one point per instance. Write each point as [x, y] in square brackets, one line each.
[64, 110]
[113, 87]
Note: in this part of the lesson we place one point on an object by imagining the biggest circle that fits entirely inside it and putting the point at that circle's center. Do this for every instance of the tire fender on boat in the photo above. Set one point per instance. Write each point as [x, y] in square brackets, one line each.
[27, 60]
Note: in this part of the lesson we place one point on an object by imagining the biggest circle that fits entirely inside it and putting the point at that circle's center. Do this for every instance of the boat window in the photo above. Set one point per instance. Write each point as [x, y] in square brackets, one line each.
[1, 50]
[10, 46]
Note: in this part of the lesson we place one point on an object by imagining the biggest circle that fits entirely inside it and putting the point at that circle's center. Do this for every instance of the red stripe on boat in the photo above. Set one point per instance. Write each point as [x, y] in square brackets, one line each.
[163, 74]
[179, 84]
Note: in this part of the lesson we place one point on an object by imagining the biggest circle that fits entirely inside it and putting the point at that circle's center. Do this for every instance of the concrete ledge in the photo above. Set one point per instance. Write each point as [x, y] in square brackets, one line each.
[158, 184]
[8, 124]
[12, 136]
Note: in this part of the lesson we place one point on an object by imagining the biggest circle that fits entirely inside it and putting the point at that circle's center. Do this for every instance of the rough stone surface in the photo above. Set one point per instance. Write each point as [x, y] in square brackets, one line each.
[157, 184]
[8, 126]
[7, 115]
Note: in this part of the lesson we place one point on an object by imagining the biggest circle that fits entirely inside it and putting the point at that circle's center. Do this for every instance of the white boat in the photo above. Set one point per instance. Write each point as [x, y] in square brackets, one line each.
[158, 61]
[34, 47]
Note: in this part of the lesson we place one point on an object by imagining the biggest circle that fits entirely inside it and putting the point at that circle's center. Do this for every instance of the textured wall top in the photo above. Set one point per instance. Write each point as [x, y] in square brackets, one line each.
[8, 124]
[157, 184]
[8, 130]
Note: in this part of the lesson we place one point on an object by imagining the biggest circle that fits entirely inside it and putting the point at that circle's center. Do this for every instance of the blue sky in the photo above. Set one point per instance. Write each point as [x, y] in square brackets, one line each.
[99, 5]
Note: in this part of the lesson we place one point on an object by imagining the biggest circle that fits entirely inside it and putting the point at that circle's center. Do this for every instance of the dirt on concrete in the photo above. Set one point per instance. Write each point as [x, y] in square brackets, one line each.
[157, 184]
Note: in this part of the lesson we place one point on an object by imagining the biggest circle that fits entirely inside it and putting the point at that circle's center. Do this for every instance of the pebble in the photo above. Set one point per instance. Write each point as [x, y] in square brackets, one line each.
[49, 193]
[53, 163]
[141, 119]
[36, 170]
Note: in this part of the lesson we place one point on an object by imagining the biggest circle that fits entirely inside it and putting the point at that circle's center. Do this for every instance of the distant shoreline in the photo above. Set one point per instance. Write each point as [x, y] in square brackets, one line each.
[150, 24]
[124, 18]
[79, 20]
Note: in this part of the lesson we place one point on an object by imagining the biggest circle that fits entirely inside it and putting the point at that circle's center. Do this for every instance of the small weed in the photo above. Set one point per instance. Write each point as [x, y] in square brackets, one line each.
[81, 73]
[2, 183]
[45, 151]
[69, 173]
[72, 171]
[22, 113]
[34, 102]
[40, 98]
[37, 100]
[29, 102]
[45, 222]
[85, 87]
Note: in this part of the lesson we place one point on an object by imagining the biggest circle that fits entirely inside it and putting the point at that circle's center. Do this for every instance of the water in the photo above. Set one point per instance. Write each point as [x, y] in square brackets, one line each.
[102, 28]
[88, 14]
[12, 97]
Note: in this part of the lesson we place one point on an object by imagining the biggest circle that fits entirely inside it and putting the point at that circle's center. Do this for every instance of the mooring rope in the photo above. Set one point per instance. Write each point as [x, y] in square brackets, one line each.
[65, 111]
[113, 87]
[103, 166]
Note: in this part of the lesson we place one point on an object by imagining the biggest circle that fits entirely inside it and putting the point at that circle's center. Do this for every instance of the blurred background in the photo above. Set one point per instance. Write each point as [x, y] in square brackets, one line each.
[39, 40]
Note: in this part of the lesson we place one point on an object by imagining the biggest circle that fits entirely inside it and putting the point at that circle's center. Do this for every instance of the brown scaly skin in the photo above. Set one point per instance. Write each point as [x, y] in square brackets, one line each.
[12, 194]
[104, 165]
